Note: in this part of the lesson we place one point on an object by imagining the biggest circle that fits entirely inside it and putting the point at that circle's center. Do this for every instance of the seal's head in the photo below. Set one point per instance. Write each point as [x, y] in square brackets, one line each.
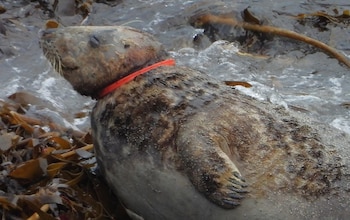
[91, 58]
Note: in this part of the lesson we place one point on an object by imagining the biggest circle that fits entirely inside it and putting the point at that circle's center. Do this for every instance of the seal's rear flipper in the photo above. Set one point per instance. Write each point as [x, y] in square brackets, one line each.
[210, 170]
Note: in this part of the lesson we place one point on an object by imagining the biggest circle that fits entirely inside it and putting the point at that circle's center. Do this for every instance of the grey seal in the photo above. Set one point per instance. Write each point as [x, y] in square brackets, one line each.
[174, 143]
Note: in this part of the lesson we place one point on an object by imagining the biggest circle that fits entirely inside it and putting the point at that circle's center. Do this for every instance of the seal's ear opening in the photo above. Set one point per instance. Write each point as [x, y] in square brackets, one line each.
[126, 45]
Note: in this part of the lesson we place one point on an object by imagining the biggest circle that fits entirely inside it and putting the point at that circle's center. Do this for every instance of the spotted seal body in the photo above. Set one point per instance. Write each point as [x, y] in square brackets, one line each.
[176, 144]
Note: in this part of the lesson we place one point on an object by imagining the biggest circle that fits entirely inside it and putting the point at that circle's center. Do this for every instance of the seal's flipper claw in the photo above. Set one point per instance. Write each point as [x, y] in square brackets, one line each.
[230, 203]
[238, 181]
[239, 190]
[236, 196]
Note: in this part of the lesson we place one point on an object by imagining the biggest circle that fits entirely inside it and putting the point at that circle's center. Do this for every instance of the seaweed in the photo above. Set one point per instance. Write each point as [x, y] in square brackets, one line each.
[48, 171]
[255, 25]
[320, 19]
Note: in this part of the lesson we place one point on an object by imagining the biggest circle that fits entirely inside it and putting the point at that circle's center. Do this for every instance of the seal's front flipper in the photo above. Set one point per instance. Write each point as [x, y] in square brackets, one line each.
[210, 170]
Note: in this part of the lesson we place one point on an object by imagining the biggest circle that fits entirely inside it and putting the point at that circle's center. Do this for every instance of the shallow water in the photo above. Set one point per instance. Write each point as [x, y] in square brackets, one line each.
[294, 75]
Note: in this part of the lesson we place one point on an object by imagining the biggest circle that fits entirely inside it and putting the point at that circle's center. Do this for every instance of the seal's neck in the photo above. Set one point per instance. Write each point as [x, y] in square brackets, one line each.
[128, 78]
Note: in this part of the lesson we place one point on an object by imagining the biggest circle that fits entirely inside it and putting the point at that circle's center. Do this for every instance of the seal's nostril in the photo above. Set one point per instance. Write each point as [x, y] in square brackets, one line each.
[44, 33]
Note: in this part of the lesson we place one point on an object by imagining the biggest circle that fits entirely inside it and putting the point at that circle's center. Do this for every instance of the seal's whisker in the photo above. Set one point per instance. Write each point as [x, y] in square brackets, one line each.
[52, 55]
[59, 67]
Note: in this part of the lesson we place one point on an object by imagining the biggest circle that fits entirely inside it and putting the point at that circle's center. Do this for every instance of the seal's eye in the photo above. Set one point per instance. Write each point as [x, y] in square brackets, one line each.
[94, 41]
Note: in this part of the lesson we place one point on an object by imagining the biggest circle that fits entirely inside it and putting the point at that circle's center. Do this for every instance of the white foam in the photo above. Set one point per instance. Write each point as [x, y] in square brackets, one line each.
[342, 123]
[336, 85]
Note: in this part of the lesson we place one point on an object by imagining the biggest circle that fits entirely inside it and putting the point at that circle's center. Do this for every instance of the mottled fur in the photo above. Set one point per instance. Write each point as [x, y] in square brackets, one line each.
[174, 132]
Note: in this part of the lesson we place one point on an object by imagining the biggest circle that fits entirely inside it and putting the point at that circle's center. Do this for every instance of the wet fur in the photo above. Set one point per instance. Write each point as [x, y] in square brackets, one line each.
[174, 139]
